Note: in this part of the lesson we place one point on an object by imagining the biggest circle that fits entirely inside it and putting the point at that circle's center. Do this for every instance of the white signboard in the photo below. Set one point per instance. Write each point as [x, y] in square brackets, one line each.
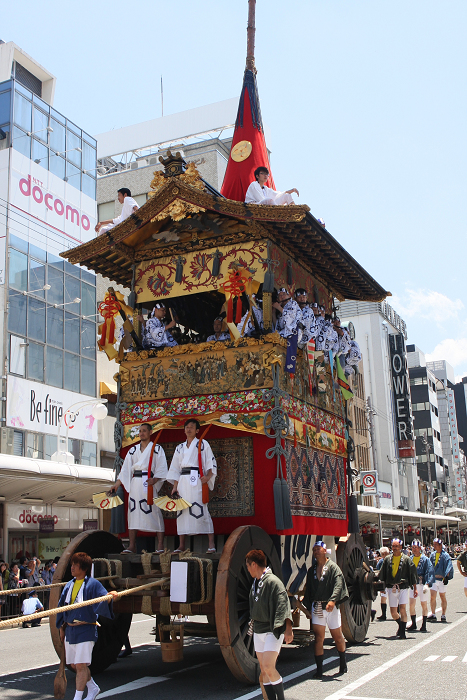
[453, 425]
[49, 199]
[385, 494]
[458, 485]
[40, 408]
[23, 517]
[369, 482]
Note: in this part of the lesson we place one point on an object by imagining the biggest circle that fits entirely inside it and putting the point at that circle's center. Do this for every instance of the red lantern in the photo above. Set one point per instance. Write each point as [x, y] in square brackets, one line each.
[417, 531]
[364, 530]
[409, 528]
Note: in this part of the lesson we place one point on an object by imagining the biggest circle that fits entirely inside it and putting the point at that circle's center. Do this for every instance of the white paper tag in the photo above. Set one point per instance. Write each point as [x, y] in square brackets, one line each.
[193, 477]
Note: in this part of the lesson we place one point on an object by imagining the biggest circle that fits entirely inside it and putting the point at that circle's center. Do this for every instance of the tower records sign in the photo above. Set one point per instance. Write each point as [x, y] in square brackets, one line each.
[401, 392]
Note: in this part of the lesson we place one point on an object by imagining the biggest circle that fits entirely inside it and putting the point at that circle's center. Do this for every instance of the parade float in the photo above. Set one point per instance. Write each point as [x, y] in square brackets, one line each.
[279, 436]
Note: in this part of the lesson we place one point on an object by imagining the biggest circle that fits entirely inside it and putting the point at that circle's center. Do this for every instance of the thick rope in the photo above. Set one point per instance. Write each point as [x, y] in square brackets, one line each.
[165, 607]
[16, 591]
[94, 601]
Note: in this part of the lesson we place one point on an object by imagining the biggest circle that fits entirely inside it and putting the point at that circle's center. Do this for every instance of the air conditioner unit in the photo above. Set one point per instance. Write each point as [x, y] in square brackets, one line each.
[6, 440]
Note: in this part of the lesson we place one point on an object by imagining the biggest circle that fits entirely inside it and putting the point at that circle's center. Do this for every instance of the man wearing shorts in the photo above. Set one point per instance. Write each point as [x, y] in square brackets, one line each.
[272, 620]
[325, 591]
[426, 578]
[78, 628]
[462, 566]
[400, 574]
[444, 571]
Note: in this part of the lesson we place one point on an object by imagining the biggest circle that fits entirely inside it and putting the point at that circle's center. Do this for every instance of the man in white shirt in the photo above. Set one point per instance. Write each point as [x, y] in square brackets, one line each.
[129, 207]
[31, 605]
[258, 193]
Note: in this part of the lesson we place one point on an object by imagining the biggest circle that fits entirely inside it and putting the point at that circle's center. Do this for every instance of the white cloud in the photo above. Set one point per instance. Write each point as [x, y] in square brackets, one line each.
[453, 351]
[426, 303]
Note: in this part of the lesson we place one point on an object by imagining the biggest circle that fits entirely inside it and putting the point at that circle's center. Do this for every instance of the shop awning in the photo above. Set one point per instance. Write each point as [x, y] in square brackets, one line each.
[32, 481]
[367, 514]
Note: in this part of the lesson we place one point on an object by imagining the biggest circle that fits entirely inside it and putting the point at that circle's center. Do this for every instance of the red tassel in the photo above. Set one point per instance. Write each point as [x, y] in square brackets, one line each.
[239, 310]
[230, 310]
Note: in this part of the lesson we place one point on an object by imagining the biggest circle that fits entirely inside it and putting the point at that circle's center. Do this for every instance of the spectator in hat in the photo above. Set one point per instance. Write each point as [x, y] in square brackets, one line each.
[31, 605]
[156, 331]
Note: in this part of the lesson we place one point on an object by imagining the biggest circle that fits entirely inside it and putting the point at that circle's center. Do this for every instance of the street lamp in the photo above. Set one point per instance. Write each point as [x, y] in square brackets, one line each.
[99, 412]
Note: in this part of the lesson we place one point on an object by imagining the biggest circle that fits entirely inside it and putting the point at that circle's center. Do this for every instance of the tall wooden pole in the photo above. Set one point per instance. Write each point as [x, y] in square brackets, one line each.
[250, 43]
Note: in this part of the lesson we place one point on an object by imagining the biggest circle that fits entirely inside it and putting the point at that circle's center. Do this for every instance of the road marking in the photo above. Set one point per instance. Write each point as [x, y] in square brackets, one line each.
[361, 697]
[285, 679]
[340, 694]
[447, 659]
[464, 660]
[134, 685]
[432, 658]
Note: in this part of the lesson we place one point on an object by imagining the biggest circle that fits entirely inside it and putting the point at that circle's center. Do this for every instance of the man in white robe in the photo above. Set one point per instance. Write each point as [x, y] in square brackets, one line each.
[187, 481]
[247, 326]
[156, 331]
[133, 477]
[258, 193]
[308, 317]
[288, 316]
[129, 207]
[219, 335]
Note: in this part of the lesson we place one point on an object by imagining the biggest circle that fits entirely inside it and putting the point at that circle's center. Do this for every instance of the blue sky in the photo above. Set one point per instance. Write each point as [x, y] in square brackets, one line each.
[365, 102]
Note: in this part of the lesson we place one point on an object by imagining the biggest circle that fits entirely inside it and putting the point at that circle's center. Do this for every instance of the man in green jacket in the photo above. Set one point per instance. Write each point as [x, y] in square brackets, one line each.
[325, 591]
[399, 573]
[272, 620]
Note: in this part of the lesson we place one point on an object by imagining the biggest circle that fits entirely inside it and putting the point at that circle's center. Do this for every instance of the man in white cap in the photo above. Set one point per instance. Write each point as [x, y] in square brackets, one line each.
[156, 331]
[444, 571]
[400, 574]
[426, 578]
[462, 566]
[325, 591]
[308, 316]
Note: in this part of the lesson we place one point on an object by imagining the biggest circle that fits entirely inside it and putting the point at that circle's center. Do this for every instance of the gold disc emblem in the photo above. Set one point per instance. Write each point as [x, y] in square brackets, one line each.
[241, 151]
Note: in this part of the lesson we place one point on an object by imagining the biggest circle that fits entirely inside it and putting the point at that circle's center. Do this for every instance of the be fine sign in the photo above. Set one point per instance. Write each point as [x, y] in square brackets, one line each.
[369, 483]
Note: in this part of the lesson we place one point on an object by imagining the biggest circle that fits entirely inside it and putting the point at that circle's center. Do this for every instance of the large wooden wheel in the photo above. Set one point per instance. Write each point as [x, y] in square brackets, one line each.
[111, 633]
[231, 599]
[356, 611]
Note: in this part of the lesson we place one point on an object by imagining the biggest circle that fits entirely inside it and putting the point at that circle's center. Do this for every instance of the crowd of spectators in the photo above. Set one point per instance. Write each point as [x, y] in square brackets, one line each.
[25, 572]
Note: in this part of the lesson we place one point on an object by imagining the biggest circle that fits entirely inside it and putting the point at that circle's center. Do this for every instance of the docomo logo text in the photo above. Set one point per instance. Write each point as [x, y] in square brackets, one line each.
[28, 517]
[53, 204]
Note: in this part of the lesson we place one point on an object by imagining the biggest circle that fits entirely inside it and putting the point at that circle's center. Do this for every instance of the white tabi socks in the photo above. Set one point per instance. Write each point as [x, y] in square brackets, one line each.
[93, 690]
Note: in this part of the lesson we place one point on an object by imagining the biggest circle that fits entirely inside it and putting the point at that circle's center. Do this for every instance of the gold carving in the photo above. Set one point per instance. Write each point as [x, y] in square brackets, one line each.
[241, 151]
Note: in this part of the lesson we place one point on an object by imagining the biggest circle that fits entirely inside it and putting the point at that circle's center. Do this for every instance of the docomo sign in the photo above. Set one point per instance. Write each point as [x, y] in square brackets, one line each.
[27, 517]
[35, 190]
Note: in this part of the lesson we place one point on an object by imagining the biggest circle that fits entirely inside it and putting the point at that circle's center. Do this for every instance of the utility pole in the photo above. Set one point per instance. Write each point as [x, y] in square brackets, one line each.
[424, 439]
[370, 413]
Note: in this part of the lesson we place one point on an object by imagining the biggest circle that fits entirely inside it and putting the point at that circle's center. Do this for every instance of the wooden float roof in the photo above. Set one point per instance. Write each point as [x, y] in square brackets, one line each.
[292, 228]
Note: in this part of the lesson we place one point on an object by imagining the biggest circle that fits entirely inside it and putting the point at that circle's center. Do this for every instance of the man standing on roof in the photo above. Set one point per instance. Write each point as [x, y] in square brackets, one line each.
[134, 478]
[444, 571]
[129, 207]
[259, 193]
[400, 574]
[426, 578]
[184, 474]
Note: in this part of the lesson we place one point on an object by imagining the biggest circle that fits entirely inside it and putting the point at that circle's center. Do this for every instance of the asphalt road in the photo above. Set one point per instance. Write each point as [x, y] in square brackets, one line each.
[431, 665]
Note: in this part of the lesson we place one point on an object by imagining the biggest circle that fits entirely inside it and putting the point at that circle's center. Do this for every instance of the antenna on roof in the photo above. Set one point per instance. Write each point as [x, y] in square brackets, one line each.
[250, 33]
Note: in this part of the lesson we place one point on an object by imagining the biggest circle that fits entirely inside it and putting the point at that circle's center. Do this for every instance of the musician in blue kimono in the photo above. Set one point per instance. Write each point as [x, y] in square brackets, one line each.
[155, 331]
[308, 316]
[78, 628]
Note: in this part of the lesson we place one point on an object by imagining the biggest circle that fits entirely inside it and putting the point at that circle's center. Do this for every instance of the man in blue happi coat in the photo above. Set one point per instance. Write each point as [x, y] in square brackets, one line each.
[426, 578]
[78, 628]
[444, 571]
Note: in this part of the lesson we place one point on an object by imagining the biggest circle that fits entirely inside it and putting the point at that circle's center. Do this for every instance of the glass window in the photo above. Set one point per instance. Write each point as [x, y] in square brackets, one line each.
[88, 138]
[21, 142]
[54, 367]
[88, 186]
[57, 137]
[55, 279]
[18, 443]
[57, 166]
[55, 327]
[36, 319]
[50, 445]
[73, 175]
[36, 277]
[17, 355]
[43, 105]
[36, 361]
[22, 112]
[72, 291]
[89, 453]
[73, 447]
[24, 91]
[88, 339]
[41, 122]
[88, 276]
[140, 199]
[106, 211]
[72, 270]
[5, 102]
[37, 253]
[18, 243]
[73, 142]
[89, 157]
[17, 313]
[71, 332]
[71, 381]
[88, 377]
[56, 115]
[40, 154]
[4, 137]
[34, 445]
[18, 270]
[55, 261]
[88, 300]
